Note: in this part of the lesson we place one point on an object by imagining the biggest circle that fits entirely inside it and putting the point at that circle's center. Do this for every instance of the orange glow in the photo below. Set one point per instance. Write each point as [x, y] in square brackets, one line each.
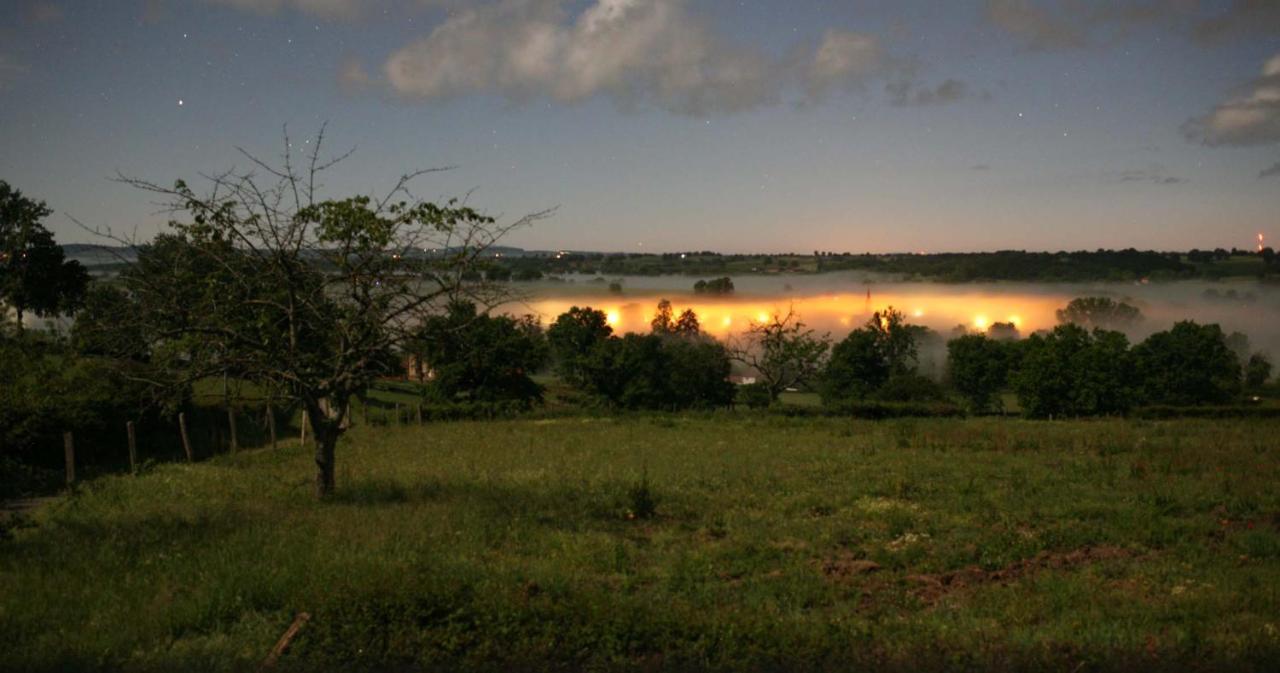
[826, 312]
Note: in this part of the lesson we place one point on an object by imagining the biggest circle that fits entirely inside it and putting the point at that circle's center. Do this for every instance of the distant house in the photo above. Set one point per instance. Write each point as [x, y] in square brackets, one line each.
[739, 380]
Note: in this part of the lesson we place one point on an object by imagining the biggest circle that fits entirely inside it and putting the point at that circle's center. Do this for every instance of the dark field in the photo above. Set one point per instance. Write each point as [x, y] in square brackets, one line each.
[672, 543]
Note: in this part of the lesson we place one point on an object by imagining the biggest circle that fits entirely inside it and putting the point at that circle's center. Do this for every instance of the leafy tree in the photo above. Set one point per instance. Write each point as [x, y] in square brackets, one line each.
[1104, 312]
[860, 365]
[312, 296]
[1188, 364]
[663, 321]
[1073, 372]
[481, 357]
[857, 368]
[1258, 371]
[783, 352]
[699, 374]
[1003, 331]
[722, 285]
[978, 368]
[687, 324]
[573, 336]
[35, 275]
[631, 372]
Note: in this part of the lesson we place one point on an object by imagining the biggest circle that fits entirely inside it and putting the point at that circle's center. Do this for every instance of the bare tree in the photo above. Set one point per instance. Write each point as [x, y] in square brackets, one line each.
[312, 298]
[782, 351]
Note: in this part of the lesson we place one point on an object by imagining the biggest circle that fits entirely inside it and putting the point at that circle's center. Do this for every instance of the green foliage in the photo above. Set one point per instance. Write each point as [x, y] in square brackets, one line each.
[978, 368]
[885, 349]
[1188, 364]
[857, 368]
[754, 396]
[1099, 312]
[1258, 371]
[717, 286]
[35, 275]
[482, 358]
[649, 371]
[46, 389]
[1073, 372]
[911, 387]
[783, 352]
[573, 336]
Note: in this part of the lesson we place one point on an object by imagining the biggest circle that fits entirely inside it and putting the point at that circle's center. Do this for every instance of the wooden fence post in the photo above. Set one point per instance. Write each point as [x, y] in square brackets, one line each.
[186, 440]
[302, 439]
[364, 411]
[133, 447]
[69, 453]
[231, 421]
[271, 425]
[419, 414]
[397, 413]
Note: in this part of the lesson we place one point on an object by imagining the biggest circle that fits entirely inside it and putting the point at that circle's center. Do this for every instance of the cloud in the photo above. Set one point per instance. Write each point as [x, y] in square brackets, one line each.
[1073, 24]
[1270, 172]
[650, 51]
[1242, 17]
[1035, 26]
[636, 52]
[11, 70]
[906, 93]
[980, 167]
[328, 9]
[843, 60]
[352, 77]
[1155, 176]
[1252, 118]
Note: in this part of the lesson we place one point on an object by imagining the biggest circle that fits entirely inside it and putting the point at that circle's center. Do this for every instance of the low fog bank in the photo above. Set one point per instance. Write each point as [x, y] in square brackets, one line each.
[839, 302]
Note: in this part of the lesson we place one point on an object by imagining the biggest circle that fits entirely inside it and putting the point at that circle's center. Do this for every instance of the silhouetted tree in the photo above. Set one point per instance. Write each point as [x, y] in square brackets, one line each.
[1104, 312]
[978, 368]
[1188, 364]
[1258, 371]
[482, 357]
[312, 295]
[1073, 372]
[573, 336]
[35, 275]
[782, 351]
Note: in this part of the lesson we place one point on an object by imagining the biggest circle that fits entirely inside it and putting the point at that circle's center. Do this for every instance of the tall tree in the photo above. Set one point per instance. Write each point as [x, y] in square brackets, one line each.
[35, 274]
[1104, 312]
[312, 297]
[782, 351]
[572, 337]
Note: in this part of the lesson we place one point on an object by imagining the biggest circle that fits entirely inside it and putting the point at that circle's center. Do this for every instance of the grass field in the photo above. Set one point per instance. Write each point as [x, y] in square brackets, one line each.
[775, 543]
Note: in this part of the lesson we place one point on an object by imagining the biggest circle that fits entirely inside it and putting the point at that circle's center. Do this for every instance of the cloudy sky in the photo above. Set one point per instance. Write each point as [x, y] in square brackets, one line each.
[659, 125]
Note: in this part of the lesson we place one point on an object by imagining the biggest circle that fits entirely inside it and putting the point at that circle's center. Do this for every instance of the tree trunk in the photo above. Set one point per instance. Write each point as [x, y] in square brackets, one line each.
[326, 425]
[325, 443]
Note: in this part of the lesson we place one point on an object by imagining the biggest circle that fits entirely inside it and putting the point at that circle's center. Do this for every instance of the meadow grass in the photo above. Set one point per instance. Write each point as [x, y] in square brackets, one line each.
[720, 542]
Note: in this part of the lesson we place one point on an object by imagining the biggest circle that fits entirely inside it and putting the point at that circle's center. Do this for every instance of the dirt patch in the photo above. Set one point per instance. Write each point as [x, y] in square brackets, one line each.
[845, 566]
[931, 588]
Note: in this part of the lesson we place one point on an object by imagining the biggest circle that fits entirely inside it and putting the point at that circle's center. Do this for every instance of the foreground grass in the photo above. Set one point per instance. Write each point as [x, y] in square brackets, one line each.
[777, 544]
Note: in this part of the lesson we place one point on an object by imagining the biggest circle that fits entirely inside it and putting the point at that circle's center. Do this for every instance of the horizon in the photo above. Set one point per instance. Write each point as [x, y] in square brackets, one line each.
[735, 127]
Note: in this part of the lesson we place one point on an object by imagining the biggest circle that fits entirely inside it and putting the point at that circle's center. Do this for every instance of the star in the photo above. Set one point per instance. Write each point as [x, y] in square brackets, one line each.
[180, 102]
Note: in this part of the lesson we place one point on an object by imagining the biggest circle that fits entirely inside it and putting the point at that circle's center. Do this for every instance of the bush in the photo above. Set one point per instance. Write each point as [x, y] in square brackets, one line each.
[754, 395]
[653, 371]
[911, 387]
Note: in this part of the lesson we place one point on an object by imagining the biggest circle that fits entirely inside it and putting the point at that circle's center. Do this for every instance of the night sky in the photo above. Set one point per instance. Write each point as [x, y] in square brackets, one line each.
[662, 125]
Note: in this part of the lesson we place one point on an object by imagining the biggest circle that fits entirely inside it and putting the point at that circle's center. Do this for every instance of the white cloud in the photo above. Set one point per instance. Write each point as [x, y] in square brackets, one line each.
[654, 52]
[1253, 118]
[650, 51]
[844, 60]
